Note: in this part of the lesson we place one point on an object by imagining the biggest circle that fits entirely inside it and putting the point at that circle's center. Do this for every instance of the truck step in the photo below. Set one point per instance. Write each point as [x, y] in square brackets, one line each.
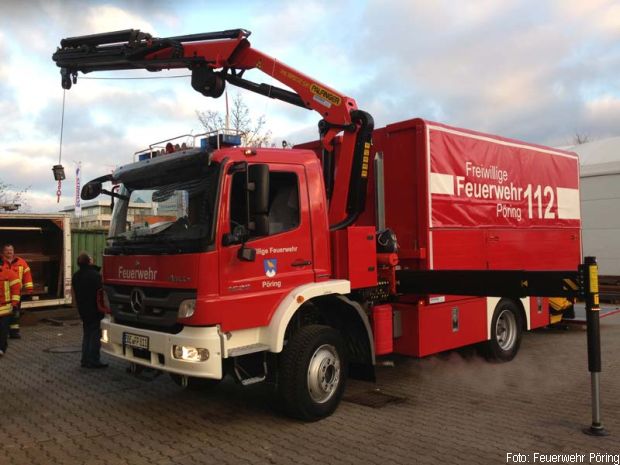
[249, 349]
[256, 379]
[251, 368]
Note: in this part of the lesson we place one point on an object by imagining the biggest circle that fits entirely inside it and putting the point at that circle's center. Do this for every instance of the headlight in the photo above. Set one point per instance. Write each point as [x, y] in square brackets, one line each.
[187, 308]
[190, 354]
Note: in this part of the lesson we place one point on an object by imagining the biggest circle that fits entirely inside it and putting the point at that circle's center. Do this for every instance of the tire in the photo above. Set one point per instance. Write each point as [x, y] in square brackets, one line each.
[312, 373]
[506, 332]
[195, 384]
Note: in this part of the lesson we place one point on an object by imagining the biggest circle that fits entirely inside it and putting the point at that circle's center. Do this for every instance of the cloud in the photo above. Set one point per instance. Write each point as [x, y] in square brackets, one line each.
[506, 67]
[106, 18]
[599, 16]
[539, 71]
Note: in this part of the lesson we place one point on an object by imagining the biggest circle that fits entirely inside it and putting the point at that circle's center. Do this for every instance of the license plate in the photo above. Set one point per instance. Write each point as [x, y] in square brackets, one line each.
[134, 340]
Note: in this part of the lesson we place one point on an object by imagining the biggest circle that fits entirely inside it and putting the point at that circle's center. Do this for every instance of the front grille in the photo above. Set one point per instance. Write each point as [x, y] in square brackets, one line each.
[157, 292]
[152, 308]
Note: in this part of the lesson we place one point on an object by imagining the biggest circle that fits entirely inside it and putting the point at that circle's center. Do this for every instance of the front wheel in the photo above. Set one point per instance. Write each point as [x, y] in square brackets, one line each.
[506, 331]
[312, 373]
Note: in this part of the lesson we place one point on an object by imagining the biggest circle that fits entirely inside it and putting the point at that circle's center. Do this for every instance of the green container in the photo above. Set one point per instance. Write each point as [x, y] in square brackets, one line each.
[92, 241]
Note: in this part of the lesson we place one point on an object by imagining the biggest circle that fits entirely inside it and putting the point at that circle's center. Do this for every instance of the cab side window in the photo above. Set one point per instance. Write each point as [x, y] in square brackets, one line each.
[283, 202]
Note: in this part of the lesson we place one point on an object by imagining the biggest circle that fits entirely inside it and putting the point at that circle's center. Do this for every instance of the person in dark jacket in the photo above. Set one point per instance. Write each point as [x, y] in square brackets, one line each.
[86, 282]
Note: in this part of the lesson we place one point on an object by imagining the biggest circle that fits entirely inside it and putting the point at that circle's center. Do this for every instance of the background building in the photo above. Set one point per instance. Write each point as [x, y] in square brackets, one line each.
[97, 214]
[600, 202]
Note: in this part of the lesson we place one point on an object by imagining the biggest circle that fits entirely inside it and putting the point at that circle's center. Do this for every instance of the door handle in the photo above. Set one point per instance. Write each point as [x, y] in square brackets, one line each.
[301, 263]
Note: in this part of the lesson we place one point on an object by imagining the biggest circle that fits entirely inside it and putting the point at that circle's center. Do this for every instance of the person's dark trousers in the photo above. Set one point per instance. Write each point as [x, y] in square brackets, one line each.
[91, 342]
[5, 321]
[14, 322]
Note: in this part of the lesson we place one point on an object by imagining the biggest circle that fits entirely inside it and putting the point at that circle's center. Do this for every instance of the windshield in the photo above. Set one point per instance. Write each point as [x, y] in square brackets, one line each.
[165, 208]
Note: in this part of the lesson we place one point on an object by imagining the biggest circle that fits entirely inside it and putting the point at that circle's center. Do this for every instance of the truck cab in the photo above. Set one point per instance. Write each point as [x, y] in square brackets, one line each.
[196, 237]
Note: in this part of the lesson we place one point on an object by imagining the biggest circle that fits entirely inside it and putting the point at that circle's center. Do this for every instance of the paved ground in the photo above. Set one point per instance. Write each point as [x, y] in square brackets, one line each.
[455, 409]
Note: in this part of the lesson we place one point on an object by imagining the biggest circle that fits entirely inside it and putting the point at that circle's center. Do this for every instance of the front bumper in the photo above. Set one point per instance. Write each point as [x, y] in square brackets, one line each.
[159, 353]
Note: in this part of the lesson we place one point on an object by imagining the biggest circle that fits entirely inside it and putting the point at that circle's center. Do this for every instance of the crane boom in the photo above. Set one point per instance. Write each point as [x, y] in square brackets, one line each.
[215, 58]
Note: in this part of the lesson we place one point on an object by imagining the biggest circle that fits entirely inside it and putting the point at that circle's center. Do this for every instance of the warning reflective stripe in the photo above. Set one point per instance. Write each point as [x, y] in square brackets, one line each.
[442, 184]
[15, 298]
[21, 272]
[568, 204]
[7, 291]
[26, 270]
[593, 278]
[5, 309]
[28, 285]
[570, 283]
[14, 282]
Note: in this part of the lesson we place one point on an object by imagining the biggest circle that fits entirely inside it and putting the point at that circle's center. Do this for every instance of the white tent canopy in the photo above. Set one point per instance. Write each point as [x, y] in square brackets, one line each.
[599, 157]
[600, 202]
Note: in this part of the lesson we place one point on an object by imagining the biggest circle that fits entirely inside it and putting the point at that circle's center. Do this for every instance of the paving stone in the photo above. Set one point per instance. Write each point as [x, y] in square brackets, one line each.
[457, 409]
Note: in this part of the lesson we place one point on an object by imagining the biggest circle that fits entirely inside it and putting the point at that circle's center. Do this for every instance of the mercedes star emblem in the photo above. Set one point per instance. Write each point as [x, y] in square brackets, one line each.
[136, 300]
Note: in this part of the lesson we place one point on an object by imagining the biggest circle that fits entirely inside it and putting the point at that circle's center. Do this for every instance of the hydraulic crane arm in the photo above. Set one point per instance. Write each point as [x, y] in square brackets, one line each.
[215, 58]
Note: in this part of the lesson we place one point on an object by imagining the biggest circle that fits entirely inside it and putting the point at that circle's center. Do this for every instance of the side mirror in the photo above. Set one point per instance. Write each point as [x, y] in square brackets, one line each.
[246, 254]
[91, 190]
[260, 226]
[258, 177]
[238, 236]
[258, 185]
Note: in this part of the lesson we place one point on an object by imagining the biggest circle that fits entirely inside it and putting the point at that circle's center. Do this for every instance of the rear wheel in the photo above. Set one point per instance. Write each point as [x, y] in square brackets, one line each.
[506, 331]
[194, 384]
[312, 373]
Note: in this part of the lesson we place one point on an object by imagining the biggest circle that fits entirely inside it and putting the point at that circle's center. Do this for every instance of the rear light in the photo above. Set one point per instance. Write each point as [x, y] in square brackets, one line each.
[103, 303]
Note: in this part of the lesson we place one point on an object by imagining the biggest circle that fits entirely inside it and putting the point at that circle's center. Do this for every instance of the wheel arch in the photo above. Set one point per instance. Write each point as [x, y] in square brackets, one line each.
[297, 298]
[329, 305]
[523, 304]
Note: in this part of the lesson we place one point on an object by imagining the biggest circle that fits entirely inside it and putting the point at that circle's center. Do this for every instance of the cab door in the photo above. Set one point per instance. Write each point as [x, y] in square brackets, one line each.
[251, 290]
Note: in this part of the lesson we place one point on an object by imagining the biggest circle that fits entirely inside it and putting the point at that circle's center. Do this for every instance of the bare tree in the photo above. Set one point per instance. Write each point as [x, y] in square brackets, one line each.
[11, 199]
[253, 133]
[581, 138]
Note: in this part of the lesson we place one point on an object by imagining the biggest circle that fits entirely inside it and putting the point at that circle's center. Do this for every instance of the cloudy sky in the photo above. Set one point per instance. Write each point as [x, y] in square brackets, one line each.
[541, 71]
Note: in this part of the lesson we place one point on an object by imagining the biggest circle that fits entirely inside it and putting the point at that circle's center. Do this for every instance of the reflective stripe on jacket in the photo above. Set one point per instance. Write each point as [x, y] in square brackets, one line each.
[21, 268]
[10, 287]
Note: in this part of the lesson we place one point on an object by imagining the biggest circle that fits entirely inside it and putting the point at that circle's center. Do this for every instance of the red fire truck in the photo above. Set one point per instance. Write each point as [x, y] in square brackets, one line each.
[299, 267]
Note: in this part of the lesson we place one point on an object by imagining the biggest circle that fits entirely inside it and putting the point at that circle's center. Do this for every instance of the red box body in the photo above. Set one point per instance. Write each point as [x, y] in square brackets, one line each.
[443, 186]
[459, 199]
